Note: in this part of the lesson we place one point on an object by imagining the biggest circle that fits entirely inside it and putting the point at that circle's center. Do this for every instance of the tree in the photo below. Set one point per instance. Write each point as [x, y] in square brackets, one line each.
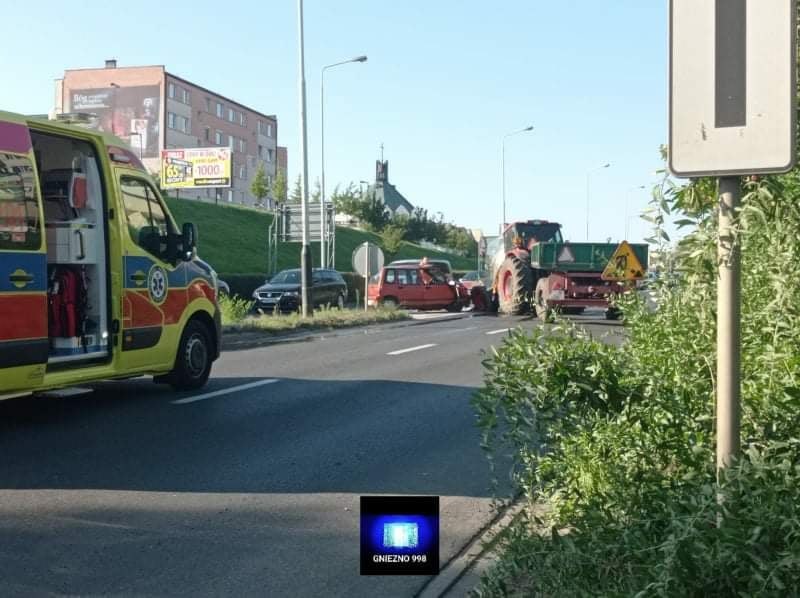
[317, 193]
[260, 187]
[392, 236]
[297, 192]
[374, 214]
[347, 201]
[279, 187]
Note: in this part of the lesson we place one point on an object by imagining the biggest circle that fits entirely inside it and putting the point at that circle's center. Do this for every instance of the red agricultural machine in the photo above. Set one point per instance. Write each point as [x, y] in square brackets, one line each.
[533, 267]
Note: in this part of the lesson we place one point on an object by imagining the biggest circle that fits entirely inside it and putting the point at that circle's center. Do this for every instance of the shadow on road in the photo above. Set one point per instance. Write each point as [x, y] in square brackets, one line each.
[294, 436]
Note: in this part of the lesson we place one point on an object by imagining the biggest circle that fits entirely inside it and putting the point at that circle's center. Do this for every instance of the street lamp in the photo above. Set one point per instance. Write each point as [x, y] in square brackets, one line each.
[305, 252]
[588, 175]
[627, 197]
[115, 87]
[322, 214]
[503, 169]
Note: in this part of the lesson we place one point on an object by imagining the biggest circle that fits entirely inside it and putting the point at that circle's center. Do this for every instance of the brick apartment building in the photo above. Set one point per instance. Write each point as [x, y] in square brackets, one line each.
[153, 109]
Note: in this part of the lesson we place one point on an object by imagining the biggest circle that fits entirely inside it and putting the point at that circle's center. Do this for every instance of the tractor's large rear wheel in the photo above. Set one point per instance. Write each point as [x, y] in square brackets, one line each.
[514, 286]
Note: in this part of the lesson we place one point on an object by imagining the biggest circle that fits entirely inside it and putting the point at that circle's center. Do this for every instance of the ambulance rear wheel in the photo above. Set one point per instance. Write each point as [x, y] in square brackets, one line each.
[193, 361]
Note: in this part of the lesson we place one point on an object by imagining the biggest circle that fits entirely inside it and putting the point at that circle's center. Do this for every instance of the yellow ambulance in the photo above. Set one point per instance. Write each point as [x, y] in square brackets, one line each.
[96, 280]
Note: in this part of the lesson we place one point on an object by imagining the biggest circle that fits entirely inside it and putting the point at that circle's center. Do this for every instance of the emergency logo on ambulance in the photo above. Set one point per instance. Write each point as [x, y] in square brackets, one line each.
[157, 284]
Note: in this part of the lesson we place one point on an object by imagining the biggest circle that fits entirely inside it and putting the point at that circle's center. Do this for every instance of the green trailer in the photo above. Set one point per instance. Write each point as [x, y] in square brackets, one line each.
[579, 257]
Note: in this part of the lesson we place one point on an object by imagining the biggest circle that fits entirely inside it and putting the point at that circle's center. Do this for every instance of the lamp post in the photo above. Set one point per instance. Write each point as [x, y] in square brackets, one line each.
[323, 262]
[588, 176]
[627, 197]
[503, 169]
[305, 253]
[115, 87]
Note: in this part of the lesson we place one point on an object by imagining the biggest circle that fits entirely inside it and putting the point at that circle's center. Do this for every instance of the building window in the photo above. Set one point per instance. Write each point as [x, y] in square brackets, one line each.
[207, 134]
[177, 122]
[261, 151]
[231, 140]
[208, 105]
[269, 155]
[241, 145]
[171, 90]
[220, 110]
[230, 195]
[243, 119]
[242, 172]
[231, 115]
[269, 129]
[186, 97]
[218, 138]
[269, 180]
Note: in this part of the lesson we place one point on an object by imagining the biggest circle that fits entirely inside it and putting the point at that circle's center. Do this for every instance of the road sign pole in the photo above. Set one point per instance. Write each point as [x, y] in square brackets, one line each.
[728, 324]
[366, 277]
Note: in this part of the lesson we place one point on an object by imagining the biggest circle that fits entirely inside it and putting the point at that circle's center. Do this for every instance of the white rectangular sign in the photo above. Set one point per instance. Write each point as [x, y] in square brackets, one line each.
[732, 87]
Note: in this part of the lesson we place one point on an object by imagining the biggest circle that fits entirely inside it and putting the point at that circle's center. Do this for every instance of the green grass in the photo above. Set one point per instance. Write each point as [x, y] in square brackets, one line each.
[235, 318]
[234, 240]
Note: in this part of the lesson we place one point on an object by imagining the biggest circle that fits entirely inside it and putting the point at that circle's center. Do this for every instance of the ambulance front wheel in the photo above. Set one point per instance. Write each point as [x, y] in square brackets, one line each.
[193, 361]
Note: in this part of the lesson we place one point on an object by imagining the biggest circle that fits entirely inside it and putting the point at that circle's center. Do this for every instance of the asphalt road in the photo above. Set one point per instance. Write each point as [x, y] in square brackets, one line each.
[250, 486]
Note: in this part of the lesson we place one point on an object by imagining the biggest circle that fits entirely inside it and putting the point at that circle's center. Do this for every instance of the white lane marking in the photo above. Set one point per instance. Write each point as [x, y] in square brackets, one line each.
[401, 351]
[499, 331]
[224, 391]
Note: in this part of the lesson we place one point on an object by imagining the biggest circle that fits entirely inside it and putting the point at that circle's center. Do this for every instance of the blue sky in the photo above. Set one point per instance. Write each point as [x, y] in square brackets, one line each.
[444, 82]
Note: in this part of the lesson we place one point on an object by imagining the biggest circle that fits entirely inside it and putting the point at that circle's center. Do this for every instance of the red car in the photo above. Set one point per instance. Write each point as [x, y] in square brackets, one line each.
[416, 286]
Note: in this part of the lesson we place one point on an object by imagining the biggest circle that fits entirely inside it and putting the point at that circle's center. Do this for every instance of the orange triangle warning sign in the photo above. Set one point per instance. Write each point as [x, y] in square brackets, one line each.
[565, 256]
[623, 265]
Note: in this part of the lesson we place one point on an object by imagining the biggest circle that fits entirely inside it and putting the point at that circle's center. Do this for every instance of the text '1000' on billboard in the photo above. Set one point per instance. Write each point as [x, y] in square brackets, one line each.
[196, 167]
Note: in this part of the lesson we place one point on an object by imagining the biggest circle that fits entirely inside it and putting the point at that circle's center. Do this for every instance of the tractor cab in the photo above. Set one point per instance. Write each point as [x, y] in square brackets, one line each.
[523, 235]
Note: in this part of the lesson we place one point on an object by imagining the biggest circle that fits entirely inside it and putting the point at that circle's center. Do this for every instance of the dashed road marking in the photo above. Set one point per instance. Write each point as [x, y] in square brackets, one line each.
[224, 391]
[499, 331]
[410, 349]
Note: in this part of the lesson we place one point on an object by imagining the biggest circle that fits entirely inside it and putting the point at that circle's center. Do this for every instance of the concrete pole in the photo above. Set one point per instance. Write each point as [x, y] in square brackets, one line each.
[366, 277]
[322, 248]
[305, 253]
[728, 325]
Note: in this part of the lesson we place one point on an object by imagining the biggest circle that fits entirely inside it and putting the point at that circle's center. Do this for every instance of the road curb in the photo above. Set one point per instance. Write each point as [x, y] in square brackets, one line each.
[463, 572]
[311, 335]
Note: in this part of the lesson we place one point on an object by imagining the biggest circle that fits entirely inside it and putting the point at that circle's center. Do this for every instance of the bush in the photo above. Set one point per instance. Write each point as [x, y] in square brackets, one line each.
[233, 309]
[619, 441]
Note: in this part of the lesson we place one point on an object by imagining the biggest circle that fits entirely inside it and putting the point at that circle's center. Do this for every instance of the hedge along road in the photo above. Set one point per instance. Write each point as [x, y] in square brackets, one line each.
[251, 485]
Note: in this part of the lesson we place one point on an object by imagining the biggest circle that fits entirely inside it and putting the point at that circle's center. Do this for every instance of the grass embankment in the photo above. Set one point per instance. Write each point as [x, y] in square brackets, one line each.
[235, 318]
[233, 239]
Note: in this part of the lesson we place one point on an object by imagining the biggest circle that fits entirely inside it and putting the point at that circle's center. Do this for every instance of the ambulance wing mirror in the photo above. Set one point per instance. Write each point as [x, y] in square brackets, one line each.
[189, 240]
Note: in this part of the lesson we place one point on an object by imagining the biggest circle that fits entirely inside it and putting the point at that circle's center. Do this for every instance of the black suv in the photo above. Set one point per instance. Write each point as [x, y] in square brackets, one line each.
[282, 291]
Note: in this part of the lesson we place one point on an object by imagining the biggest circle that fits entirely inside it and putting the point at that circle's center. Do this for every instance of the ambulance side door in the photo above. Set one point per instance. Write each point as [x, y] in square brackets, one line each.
[154, 294]
[24, 341]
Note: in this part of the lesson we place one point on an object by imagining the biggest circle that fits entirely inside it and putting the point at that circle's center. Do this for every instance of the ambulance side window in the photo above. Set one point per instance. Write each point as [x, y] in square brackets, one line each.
[19, 209]
[148, 225]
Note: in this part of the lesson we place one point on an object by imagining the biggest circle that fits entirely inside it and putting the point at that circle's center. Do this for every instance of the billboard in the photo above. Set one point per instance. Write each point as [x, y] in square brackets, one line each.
[130, 113]
[196, 167]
